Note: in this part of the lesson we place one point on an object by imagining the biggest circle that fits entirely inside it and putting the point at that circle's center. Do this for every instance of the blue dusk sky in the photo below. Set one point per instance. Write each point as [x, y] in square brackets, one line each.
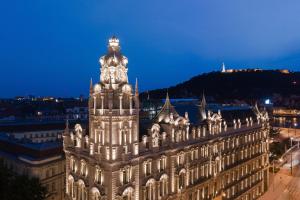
[52, 47]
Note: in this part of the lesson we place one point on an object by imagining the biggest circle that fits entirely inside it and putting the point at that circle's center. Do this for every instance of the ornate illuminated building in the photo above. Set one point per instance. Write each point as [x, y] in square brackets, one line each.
[113, 160]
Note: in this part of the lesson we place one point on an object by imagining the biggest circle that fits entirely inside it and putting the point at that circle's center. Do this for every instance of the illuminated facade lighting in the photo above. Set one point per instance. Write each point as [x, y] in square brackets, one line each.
[173, 160]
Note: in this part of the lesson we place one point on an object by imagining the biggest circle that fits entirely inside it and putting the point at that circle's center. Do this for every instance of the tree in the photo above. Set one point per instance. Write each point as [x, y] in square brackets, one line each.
[274, 131]
[19, 187]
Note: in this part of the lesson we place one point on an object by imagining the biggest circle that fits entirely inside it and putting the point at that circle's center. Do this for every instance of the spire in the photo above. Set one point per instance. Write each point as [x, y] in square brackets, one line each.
[148, 95]
[136, 87]
[167, 102]
[256, 109]
[167, 110]
[203, 101]
[202, 108]
[67, 127]
[91, 86]
[223, 68]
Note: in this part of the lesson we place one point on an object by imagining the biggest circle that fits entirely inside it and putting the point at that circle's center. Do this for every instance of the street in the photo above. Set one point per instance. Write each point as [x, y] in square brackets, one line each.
[285, 186]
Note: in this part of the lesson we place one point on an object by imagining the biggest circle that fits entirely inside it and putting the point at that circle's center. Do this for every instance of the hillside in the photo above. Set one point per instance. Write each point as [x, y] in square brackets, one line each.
[245, 86]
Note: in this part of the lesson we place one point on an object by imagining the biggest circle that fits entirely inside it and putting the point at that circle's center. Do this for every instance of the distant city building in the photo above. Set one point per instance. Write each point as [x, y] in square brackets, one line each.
[42, 109]
[76, 113]
[285, 112]
[44, 160]
[34, 132]
[172, 159]
[49, 114]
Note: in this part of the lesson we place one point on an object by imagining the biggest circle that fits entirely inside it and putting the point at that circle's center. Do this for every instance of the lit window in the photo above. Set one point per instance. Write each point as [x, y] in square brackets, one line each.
[73, 164]
[136, 149]
[98, 175]
[181, 180]
[114, 153]
[125, 175]
[163, 190]
[107, 153]
[192, 156]
[162, 162]
[181, 158]
[83, 168]
[150, 188]
[147, 167]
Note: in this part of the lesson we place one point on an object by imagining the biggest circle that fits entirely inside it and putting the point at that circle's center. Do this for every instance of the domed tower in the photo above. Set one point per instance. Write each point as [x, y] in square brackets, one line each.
[113, 105]
[101, 162]
[114, 116]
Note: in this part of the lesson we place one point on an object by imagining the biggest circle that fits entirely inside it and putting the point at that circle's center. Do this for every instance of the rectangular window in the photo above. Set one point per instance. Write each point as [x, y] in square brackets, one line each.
[114, 153]
[107, 153]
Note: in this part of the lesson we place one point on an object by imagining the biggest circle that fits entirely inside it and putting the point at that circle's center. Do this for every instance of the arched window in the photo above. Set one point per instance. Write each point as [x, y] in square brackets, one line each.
[83, 168]
[163, 185]
[70, 189]
[150, 190]
[82, 193]
[128, 194]
[181, 177]
[147, 167]
[72, 164]
[95, 194]
[98, 175]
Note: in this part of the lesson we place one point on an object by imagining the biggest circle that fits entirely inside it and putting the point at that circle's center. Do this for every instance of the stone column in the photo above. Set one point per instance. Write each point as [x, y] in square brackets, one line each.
[130, 105]
[95, 101]
[102, 105]
[121, 108]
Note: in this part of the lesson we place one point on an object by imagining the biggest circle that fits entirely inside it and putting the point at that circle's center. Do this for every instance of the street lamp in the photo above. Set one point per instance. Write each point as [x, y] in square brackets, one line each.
[291, 163]
[289, 126]
[295, 125]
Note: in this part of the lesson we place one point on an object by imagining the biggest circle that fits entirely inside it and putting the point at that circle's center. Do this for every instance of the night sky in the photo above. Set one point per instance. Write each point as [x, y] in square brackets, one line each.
[52, 47]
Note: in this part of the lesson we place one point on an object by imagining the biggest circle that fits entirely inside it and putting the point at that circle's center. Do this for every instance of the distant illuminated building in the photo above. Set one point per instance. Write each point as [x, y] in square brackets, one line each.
[76, 113]
[224, 70]
[172, 159]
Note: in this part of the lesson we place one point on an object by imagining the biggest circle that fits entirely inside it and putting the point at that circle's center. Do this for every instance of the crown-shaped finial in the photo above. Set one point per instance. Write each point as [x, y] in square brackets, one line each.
[113, 42]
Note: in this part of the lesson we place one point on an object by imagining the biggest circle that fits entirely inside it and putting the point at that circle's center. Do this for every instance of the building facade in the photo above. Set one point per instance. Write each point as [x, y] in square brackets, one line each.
[44, 161]
[173, 159]
[34, 132]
